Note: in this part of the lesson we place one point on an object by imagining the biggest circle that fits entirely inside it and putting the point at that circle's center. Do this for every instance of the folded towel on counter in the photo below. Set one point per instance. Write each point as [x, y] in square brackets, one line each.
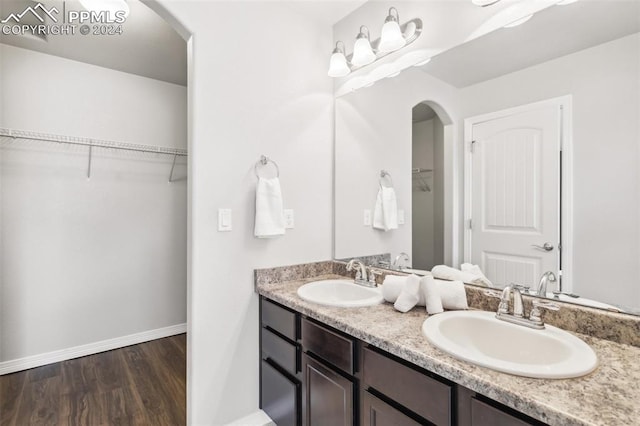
[409, 295]
[475, 270]
[392, 287]
[433, 301]
[269, 211]
[385, 214]
[453, 295]
[453, 274]
[440, 295]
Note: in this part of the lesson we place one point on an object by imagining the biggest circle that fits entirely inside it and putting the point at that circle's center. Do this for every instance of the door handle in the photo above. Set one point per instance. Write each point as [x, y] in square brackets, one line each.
[545, 246]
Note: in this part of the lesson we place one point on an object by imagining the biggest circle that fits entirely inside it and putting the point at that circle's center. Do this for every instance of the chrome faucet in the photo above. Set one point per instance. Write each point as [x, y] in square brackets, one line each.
[362, 277]
[547, 277]
[402, 256]
[512, 297]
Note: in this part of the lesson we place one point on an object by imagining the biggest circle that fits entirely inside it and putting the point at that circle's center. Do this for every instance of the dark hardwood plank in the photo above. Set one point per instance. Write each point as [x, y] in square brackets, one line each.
[11, 395]
[139, 385]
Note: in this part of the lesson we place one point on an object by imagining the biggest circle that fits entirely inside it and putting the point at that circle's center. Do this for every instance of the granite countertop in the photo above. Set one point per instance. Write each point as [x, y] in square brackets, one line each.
[608, 396]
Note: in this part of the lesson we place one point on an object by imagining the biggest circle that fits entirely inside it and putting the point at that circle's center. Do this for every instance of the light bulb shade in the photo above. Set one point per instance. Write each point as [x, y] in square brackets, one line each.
[338, 66]
[391, 38]
[109, 6]
[362, 52]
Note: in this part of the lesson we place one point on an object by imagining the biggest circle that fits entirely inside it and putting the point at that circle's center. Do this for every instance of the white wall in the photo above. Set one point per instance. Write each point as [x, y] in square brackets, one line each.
[258, 86]
[88, 260]
[604, 82]
[373, 132]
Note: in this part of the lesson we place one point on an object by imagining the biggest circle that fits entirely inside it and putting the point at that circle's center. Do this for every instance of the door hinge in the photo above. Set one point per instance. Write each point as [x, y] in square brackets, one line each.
[473, 145]
[470, 225]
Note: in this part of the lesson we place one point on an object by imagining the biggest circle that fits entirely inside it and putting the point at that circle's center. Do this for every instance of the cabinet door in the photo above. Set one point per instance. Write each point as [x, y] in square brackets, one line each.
[328, 396]
[280, 396]
[485, 415]
[376, 412]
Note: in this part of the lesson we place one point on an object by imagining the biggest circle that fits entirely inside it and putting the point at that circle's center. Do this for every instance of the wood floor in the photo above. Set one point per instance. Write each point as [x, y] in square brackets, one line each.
[142, 384]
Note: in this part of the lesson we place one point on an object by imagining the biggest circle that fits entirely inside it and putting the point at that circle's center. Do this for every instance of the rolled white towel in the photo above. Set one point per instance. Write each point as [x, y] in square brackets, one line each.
[475, 270]
[453, 274]
[453, 295]
[431, 292]
[393, 285]
[409, 295]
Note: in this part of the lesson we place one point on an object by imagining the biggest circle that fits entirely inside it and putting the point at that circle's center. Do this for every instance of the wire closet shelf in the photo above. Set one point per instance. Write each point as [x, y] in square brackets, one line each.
[95, 143]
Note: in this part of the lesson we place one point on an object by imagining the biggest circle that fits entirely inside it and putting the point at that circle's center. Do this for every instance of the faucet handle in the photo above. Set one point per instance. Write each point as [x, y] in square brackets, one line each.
[493, 293]
[535, 314]
[373, 273]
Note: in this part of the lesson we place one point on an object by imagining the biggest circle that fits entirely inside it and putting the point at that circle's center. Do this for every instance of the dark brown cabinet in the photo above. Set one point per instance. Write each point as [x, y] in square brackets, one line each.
[280, 373]
[328, 396]
[314, 375]
[376, 412]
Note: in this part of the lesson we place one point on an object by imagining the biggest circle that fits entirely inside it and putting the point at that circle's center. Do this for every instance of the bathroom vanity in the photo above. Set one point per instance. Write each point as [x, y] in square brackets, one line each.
[313, 374]
[372, 366]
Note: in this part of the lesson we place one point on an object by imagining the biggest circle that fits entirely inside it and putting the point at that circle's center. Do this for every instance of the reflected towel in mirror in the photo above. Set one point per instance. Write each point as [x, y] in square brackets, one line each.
[385, 215]
[452, 274]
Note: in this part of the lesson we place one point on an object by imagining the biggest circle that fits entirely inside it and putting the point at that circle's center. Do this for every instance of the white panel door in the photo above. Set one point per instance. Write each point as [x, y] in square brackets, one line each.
[515, 196]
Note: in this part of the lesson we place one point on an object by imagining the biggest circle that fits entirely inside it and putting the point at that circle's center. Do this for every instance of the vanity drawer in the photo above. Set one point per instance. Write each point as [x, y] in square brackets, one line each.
[280, 396]
[485, 415]
[279, 319]
[285, 354]
[334, 348]
[424, 395]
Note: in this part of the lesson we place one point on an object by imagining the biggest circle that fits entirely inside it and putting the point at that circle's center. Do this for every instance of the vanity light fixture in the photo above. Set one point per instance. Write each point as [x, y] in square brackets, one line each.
[484, 3]
[110, 6]
[365, 52]
[391, 38]
[518, 22]
[338, 66]
[362, 51]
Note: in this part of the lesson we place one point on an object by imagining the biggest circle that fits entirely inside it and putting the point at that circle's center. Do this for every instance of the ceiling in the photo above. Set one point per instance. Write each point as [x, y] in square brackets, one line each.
[148, 46]
[326, 12]
[551, 33]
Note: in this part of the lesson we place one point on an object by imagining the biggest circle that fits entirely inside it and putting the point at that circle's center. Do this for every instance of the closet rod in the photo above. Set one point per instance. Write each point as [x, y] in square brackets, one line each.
[72, 140]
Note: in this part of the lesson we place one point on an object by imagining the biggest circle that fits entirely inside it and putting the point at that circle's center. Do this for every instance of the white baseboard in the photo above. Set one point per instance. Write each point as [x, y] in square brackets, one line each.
[25, 363]
[259, 418]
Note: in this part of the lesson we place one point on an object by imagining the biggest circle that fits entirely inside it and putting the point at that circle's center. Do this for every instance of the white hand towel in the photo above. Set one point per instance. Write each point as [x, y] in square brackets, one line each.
[409, 295]
[385, 214]
[452, 294]
[431, 291]
[392, 287]
[453, 274]
[475, 269]
[269, 211]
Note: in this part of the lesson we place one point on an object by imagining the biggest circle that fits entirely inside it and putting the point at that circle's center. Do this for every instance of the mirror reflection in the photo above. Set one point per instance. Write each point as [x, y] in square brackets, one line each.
[516, 152]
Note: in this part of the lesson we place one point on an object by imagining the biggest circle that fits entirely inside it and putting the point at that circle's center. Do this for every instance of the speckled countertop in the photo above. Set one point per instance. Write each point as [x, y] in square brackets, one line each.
[608, 396]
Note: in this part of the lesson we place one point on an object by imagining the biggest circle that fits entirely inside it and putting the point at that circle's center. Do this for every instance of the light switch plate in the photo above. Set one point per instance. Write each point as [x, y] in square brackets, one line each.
[400, 217]
[367, 218]
[289, 222]
[224, 220]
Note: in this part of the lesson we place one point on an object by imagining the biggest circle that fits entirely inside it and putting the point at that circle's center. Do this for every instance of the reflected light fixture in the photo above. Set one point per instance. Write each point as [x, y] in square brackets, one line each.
[338, 66]
[391, 38]
[565, 2]
[110, 6]
[362, 51]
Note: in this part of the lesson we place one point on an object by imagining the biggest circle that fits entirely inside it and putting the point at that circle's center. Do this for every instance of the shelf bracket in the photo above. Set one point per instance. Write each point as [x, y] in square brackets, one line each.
[173, 165]
[89, 163]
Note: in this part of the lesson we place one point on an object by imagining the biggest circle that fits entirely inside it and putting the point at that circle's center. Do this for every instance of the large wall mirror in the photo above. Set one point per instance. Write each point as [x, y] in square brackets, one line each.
[518, 151]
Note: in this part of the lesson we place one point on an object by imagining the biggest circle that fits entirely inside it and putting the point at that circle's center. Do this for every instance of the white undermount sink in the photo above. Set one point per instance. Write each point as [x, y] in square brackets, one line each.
[482, 339]
[343, 293]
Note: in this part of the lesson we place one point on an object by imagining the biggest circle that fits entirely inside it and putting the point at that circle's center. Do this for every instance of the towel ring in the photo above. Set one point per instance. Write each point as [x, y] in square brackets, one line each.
[385, 174]
[263, 162]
